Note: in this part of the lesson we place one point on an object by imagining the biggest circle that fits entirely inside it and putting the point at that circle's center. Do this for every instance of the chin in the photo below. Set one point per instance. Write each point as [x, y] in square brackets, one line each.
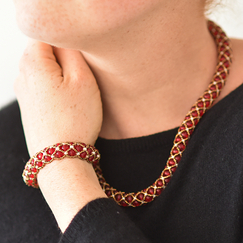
[40, 25]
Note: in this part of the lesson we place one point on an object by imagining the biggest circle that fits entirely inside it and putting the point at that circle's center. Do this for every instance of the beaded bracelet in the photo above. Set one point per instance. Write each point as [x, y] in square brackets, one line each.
[58, 151]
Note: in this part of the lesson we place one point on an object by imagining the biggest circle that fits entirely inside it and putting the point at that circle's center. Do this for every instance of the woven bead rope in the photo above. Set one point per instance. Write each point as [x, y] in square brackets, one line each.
[57, 151]
[184, 132]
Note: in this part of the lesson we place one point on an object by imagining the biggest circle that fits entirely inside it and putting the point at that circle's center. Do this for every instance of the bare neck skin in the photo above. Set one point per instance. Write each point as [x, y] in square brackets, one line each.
[151, 72]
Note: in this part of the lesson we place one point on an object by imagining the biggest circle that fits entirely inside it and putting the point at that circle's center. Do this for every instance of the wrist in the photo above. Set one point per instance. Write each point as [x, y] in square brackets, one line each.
[68, 185]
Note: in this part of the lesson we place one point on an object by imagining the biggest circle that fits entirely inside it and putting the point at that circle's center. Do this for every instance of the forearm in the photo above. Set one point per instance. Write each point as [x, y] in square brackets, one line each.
[68, 185]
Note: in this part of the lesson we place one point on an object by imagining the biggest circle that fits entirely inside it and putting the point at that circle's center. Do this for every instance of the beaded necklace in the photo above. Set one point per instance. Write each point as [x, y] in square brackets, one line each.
[135, 199]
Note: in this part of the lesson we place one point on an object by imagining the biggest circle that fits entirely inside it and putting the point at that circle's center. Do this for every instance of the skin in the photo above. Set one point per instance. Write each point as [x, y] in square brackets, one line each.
[134, 68]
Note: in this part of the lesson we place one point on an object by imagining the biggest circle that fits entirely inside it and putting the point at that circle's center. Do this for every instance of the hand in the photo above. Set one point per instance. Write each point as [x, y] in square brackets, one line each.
[58, 97]
[60, 102]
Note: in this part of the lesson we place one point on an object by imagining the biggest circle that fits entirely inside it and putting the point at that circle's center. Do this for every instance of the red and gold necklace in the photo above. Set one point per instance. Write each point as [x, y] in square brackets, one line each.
[135, 199]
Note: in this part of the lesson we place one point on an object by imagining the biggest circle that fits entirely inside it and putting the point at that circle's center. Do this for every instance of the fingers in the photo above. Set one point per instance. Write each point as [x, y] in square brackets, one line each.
[34, 52]
[72, 63]
[38, 64]
[43, 64]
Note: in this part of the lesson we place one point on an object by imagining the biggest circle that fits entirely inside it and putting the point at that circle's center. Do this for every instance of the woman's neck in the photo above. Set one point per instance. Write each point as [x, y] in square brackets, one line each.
[152, 72]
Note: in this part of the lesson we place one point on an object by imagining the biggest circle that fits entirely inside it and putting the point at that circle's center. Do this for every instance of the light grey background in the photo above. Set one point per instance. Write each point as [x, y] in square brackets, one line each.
[12, 42]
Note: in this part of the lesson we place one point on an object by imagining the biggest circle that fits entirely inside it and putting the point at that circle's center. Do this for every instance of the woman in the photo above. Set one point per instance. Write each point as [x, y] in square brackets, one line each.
[129, 74]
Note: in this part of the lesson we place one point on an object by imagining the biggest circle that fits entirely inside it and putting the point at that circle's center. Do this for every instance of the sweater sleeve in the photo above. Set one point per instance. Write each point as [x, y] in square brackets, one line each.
[102, 220]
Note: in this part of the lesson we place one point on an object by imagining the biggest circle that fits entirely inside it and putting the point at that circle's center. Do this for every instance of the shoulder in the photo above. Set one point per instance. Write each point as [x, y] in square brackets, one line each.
[235, 78]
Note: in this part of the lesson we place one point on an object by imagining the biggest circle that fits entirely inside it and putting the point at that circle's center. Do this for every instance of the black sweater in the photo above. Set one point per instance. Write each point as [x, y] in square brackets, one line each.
[203, 202]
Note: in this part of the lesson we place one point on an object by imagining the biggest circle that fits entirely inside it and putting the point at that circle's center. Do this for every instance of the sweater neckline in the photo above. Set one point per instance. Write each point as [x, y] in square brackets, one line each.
[163, 138]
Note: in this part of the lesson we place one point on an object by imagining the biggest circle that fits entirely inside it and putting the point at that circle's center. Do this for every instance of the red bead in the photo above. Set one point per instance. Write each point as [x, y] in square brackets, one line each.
[95, 163]
[39, 156]
[166, 173]
[217, 78]
[207, 96]
[226, 64]
[173, 169]
[167, 180]
[227, 53]
[222, 48]
[83, 155]
[108, 193]
[201, 112]
[30, 182]
[158, 191]
[129, 198]
[140, 196]
[220, 69]
[213, 87]
[151, 191]
[222, 58]
[136, 203]
[91, 158]
[71, 152]
[148, 199]
[64, 147]
[47, 158]
[50, 151]
[123, 204]
[194, 114]
[219, 85]
[207, 103]
[175, 151]
[32, 176]
[226, 43]
[196, 121]
[78, 148]
[39, 164]
[223, 75]
[89, 151]
[34, 170]
[178, 139]
[118, 197]
[59, 154]
[182, 128]
[178, 157]
[32, 162]
[171, 162]
[189, 123]
[184, 134]
[214, 94]
[181, 146]
[159, 183]
[200, 104]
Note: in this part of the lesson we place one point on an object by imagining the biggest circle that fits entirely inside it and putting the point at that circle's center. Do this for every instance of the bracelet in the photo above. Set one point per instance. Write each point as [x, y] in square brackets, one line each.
[58, 151]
